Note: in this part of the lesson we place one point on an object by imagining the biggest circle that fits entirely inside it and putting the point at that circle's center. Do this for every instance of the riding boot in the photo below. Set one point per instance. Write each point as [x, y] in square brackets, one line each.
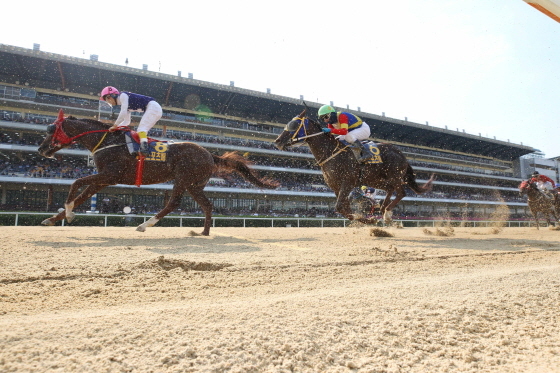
[366, 155]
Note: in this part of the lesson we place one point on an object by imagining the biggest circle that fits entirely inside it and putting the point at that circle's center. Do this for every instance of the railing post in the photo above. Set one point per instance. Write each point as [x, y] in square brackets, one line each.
[17, 219]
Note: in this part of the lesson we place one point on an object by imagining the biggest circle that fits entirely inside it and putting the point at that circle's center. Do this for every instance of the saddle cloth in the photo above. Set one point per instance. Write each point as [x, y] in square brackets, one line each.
[158, 149]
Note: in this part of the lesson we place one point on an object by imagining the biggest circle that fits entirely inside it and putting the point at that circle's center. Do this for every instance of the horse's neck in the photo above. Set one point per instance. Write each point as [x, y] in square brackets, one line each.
[321, 148]
[88, 141]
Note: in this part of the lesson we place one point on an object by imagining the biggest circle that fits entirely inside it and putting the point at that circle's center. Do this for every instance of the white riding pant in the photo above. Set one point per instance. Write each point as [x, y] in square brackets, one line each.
[361, 133]
[152, 114]
[544, 186]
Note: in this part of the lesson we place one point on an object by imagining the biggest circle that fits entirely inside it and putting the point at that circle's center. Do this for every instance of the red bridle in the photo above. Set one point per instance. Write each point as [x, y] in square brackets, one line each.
[60, 138]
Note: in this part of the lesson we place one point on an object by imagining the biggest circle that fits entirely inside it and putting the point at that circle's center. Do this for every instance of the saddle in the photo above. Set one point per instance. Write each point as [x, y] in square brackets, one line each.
[370, 146]
[133, 142]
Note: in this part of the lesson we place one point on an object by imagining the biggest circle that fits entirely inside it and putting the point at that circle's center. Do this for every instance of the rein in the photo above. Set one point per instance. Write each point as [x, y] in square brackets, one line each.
[295, 139]
[337, 152]
[298, 139]
[61, 138]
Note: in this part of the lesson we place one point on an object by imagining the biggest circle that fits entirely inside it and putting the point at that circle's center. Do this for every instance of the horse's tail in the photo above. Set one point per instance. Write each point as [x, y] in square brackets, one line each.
[233, 162]
[410, 179]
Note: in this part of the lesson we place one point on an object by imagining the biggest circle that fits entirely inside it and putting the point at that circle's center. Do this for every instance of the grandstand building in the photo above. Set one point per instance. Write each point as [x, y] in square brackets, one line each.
[475, 174]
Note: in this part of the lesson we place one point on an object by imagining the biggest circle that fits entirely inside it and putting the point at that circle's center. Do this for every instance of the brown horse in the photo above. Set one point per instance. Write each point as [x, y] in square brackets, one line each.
[188, 164]
[538, 202]
[342, 171]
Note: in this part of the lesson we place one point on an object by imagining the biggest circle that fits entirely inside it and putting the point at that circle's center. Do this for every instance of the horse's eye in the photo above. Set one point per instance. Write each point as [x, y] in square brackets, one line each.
[50, 129]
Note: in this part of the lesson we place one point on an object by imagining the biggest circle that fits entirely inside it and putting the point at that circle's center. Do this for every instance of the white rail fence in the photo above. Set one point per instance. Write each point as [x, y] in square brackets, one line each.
[112, 220]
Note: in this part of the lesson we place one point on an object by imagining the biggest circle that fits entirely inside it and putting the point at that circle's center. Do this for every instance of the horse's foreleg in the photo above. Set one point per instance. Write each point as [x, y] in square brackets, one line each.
[171, 205]
[535, 215]
[343, 207]
[95, 182]
[87, 193]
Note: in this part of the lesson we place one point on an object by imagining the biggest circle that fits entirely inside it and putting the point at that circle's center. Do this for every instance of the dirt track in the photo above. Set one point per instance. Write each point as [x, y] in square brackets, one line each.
[279, 300]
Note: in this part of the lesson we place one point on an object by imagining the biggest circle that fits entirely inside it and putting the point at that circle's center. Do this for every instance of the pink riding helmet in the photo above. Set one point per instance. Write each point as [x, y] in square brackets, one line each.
[108, 91]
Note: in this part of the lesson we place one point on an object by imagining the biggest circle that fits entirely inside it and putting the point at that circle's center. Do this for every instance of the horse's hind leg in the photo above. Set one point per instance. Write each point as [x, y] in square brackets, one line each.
[87, 193]
[388, 214]
[171, 205]
[205, 204]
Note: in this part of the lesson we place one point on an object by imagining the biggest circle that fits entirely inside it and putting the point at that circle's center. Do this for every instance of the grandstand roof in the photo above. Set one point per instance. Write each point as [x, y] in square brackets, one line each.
[84, 76]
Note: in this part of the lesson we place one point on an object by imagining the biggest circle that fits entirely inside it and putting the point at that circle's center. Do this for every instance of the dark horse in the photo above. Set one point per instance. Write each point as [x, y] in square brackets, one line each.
[342, 172]
[538, 202]
[188, 164]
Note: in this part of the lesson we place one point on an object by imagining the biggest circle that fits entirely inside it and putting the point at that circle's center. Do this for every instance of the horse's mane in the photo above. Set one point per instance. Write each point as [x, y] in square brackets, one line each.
[91, 121]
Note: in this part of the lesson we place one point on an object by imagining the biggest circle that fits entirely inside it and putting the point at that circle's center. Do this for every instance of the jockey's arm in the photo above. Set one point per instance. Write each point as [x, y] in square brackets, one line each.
[124, 116]
[546, 179]
[343, 123]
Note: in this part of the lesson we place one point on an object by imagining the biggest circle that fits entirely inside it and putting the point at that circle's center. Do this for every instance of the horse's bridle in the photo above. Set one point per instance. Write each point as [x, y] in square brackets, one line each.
[60, 138]
[301, 134]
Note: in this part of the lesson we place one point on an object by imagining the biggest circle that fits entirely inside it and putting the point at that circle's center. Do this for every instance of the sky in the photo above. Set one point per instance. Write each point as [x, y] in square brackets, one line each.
[488, 67]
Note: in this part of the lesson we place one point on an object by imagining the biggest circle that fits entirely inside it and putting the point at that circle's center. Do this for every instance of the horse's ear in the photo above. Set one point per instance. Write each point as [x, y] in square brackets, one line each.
[60, 116]
[303, 113]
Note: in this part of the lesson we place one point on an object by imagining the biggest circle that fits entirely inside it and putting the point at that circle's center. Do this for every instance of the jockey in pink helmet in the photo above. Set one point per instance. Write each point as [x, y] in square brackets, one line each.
[109, 91]
[130, 102]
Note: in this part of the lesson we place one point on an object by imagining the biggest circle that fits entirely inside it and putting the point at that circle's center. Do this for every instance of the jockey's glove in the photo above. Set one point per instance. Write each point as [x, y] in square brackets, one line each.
[326, 130]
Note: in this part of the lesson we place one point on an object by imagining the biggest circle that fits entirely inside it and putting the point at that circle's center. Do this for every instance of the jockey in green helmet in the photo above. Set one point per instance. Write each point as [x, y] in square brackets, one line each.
[348, 126]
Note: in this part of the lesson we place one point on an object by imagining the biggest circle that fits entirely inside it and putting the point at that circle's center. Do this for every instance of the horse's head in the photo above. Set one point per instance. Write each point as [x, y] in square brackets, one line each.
[64, 132]
[297, 131]
[526, 186]
[56, 138]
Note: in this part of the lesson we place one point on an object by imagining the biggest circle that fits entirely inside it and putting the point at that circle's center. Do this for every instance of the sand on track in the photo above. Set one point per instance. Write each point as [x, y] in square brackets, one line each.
[279, 300]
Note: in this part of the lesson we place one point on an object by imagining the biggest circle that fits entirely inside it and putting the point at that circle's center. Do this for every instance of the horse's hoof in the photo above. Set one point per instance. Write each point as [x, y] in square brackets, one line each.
[371, 221]
[141, 229]
[47, 222]
[70, 216]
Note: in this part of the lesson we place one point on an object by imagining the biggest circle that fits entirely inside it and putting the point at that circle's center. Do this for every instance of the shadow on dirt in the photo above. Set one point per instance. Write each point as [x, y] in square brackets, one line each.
[187, 244]
[490, 244]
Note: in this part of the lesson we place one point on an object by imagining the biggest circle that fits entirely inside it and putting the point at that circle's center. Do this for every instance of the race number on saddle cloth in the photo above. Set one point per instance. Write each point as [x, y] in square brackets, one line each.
[157, 150]
[130, 102]
[349, 127]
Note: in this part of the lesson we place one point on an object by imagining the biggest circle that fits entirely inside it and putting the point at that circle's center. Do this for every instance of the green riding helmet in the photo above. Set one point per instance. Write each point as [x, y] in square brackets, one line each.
[325, 110]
